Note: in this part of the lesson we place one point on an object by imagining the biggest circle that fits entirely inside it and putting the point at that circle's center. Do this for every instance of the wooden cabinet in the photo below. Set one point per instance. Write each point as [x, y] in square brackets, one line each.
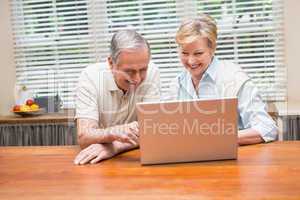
[47, 129]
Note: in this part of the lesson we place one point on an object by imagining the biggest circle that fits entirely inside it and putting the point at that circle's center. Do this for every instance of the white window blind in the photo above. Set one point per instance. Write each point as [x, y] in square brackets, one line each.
[251, 34]
[56, 39]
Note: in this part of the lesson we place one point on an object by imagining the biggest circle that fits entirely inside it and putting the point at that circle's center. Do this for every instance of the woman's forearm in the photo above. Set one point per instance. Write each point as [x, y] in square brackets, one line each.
[249, 136]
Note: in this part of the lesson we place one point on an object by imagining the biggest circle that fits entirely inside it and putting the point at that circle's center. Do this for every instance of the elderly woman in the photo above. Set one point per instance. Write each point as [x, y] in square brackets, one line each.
[207, 77]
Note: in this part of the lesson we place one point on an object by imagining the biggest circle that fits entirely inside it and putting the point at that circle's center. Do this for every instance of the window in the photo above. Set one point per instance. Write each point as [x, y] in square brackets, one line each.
[56, 39]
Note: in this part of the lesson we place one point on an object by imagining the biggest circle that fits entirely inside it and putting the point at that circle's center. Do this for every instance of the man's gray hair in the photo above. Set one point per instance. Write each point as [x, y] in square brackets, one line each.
[126, 39]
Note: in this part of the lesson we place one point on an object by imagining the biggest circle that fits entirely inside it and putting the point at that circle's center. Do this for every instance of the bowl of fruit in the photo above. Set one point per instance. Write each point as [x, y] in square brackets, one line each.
[29, 109]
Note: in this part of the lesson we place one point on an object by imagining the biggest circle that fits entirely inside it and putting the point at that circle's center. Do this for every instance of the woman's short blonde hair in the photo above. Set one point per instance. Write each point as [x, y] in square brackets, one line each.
[204, 26]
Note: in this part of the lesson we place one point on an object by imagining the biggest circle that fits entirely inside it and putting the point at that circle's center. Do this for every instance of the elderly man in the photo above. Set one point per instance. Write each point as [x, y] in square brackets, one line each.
[106, 98]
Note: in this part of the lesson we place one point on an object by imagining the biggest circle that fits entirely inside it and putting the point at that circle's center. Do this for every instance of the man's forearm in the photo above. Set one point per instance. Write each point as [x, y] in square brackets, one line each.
[94, 136]
[122, 147]
[249, 136]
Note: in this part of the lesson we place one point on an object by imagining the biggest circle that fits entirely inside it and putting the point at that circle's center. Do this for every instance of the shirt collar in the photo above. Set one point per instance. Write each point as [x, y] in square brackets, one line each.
[211, 71]
[185, 81]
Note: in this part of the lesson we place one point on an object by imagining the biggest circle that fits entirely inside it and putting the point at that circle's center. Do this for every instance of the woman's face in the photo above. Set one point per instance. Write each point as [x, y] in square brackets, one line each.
[196, 56]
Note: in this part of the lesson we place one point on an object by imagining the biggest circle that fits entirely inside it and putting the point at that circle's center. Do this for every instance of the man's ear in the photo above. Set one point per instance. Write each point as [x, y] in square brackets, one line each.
[110, 62]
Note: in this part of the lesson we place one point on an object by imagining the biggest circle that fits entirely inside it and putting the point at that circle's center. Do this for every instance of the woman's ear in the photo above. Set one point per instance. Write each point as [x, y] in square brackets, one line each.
[212, 52]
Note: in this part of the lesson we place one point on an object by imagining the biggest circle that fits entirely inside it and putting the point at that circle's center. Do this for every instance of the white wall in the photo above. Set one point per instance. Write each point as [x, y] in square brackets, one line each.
[7, 65]
[292, 45]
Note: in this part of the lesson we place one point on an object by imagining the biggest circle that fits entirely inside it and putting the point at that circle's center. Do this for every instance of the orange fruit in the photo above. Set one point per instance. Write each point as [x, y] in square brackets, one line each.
[16, 108]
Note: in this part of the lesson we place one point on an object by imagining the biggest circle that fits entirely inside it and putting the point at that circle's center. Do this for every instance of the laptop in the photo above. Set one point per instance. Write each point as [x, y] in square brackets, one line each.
[188, 131]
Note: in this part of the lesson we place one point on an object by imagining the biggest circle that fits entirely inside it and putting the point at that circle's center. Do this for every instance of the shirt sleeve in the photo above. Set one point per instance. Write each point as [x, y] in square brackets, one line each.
[86, 98]
[253, 113]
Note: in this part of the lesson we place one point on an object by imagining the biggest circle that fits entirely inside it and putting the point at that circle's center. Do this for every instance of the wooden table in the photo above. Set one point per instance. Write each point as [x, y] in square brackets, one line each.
[265, 171]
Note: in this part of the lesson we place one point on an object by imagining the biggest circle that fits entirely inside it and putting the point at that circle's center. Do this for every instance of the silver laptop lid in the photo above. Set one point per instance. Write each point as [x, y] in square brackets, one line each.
[185, 131]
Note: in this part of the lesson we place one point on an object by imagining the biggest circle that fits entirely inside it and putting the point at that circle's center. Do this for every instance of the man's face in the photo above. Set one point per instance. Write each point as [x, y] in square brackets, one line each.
[130, 68]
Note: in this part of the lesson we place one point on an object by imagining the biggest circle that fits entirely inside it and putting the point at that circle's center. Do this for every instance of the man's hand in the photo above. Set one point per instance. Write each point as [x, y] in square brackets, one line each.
[95, 153]
[88, 133]
[127, 133]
